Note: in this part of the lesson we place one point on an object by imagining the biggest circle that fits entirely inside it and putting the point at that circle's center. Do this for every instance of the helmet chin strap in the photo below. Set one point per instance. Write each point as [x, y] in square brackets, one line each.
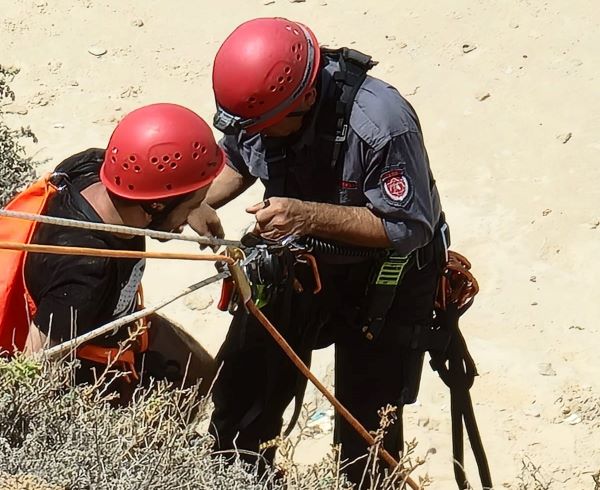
[159, 216]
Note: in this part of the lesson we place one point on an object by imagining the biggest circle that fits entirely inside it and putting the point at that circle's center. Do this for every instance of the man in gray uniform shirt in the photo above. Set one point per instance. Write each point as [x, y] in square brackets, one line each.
[342, 159]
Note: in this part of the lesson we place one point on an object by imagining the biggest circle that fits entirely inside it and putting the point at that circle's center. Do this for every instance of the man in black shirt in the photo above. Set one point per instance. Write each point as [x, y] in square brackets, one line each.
[158, 166]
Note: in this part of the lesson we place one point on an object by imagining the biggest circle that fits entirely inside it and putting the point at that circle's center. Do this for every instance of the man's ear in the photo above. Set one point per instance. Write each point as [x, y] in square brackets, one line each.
[310, 98]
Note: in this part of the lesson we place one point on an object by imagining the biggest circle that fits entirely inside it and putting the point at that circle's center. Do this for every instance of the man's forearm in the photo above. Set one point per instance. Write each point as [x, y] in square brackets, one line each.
[227, 186]
[347, 224]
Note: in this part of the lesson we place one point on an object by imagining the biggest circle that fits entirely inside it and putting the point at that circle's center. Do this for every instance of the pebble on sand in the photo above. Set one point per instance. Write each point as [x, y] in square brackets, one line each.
[15, 109]
[532, 412]
[564, 137]
[467, 48]
[546, 369]
[97, 50]
[573, 419]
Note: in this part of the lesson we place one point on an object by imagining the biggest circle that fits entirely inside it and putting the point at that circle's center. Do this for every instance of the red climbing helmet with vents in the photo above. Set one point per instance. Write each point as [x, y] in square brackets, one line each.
[160, 151]
[261, 73]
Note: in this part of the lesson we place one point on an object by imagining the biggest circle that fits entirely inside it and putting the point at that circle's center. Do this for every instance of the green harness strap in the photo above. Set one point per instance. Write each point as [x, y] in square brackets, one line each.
[382, 291]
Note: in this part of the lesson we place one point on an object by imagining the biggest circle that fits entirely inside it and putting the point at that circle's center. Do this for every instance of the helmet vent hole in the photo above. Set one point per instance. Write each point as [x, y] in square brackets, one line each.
[177, 155]
[261, 102]
[300, 47]
[294, 48]
[118, 180]
[166, 158]
[168, 187]
[203, 150]
[288, 27]
[137, 169]
[212, 164]
[297, 32]
[298, 57]
[132, 158]
[203, 174]
[154, 160]
[289, 79]
[113, 159]
[195, 155]
[251, 100]
[125, 166]
[130, 187]
[281, 79]
[272, 88]
[250, 106]
[196, 145]
[287, 70]
[173, 165]
[115, 150]
[160, 167]
[281, 88]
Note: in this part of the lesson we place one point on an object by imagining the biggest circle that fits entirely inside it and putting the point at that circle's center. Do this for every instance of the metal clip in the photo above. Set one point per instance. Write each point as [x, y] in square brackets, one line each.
[340, 137]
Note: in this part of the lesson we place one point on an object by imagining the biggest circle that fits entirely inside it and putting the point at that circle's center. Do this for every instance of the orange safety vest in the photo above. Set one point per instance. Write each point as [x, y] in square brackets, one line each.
[17, 308]
[16, 305]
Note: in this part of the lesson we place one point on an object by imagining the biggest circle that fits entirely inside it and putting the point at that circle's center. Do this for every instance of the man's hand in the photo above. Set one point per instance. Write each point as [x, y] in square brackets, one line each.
[205, 222]
[279, 217]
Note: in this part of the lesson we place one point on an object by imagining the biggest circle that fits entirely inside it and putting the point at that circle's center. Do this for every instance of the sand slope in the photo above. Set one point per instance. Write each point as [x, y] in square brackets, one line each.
[513, 132]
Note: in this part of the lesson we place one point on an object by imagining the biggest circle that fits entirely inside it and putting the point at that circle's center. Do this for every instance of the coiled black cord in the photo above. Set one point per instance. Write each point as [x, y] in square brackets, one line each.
[318, 245]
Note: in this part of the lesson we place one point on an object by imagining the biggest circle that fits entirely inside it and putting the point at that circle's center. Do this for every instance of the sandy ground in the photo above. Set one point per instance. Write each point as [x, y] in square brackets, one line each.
[513, 132]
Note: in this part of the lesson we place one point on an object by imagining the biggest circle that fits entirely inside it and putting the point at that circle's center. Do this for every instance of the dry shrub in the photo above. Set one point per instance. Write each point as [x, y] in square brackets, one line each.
[57, 435]
[71, 437]
[16, 171]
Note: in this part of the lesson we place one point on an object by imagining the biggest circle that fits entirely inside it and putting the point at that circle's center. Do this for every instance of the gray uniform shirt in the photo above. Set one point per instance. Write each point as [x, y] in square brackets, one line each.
[385, 165]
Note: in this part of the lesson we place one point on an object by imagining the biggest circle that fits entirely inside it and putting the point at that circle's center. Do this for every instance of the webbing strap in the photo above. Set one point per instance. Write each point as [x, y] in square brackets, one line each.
[352, 73]
[457, 370]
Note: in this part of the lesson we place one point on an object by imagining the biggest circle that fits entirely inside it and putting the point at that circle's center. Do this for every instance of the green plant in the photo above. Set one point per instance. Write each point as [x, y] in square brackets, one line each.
[16, 170]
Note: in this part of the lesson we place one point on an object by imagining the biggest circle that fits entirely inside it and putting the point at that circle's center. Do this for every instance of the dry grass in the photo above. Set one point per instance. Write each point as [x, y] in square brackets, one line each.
[56, 435]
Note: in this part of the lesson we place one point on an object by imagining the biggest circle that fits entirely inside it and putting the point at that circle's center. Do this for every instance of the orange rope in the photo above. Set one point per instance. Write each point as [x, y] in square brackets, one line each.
[101, 252]
[341, 409]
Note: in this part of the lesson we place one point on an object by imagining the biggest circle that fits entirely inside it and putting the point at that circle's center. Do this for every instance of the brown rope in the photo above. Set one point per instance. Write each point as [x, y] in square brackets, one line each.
[341, 409]
[242, 284]
[102, 252]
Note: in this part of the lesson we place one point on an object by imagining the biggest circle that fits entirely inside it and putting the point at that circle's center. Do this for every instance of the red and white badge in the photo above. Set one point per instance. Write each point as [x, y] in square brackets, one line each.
[395, 184]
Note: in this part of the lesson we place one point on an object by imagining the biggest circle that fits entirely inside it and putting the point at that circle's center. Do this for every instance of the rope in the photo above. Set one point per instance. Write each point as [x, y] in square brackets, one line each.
[102, 252]
[339, 407]
[124, 230]
[245, 293]
[67, 346]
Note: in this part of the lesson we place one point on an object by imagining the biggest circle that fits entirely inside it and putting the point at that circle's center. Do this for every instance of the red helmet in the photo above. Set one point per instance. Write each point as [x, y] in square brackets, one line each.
[160, 151]
[262, 71]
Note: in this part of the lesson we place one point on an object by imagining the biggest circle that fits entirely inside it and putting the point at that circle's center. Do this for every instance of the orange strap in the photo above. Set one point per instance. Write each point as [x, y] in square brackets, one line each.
[123, 358]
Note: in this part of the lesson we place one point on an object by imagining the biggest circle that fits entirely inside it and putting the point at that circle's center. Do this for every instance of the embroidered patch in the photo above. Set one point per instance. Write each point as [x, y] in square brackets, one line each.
[396, 185]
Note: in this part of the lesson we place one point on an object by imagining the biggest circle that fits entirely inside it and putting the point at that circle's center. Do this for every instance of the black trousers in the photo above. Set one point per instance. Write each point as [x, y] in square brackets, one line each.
[257, 381]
